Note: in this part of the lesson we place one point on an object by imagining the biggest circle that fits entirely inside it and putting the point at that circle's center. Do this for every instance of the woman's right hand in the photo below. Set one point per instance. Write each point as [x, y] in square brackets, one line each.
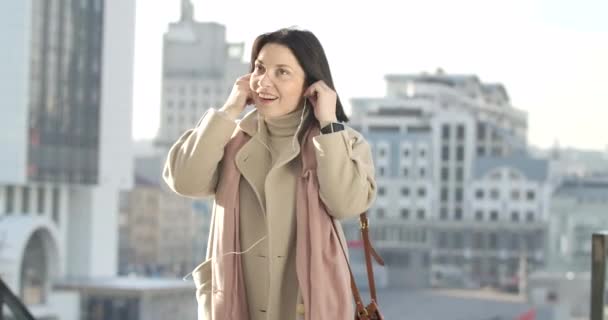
[239, 98]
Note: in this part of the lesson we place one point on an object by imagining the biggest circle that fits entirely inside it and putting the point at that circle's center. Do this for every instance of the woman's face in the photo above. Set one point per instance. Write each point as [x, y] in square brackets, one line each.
[277, 81]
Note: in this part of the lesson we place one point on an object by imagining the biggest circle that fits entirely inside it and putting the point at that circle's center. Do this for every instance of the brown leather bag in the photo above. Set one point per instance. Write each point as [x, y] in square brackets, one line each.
[370, 311]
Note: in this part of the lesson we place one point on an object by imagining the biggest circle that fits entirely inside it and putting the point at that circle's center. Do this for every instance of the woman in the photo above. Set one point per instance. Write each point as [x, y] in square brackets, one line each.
[273, 253]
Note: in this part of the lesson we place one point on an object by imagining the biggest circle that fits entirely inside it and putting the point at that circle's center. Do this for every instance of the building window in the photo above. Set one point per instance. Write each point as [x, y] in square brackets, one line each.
[458, 213]
[406, 153]
[479, 194]
[515, 194]
[421, 192]
[479, 215]
[422, 172]
[481, 151]
[478, 241]
[422, 153]
[460, 132]
[494, 194]
[55, 205]
[445, 131]
[530, 216]
[444, 194]
[496, 136]
[445, 153]
[460, 153]
[443, 213]
[421, 214]
[25, 200]
[405, 191]
[494, 215]
[380, 213]
[459, 174]
[405, 262]
[170, 104]
[443, 240]
[426, 260]
[445, 173]
[481, 131]
[381, 152]
[515, 216]
[405, 172]
[381, 171]
[493, 241]
[41, 200]
[9, 205]
[530, 195]
[458, 241]
[381, 191]
[458, 194]
[405, 213]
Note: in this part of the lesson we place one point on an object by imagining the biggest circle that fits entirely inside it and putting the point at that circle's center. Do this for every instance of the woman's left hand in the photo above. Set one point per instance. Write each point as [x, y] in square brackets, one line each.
[323, 99]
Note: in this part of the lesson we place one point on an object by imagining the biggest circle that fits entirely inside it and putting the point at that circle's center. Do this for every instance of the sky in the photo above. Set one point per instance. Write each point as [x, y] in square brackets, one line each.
[551, 55]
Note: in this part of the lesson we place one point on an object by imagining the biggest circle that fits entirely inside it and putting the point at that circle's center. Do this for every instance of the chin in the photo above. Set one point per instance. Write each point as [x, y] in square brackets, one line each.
[269, 111]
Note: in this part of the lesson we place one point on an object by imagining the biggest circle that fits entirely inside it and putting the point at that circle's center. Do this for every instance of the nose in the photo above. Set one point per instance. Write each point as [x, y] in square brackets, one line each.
[264, 80]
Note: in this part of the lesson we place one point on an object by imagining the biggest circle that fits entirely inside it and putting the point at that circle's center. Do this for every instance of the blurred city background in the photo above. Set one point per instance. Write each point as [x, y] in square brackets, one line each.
[486, 120]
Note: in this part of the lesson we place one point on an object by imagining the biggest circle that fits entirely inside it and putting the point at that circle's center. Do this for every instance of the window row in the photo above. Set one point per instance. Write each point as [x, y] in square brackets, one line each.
[494, 194]
[27, 194]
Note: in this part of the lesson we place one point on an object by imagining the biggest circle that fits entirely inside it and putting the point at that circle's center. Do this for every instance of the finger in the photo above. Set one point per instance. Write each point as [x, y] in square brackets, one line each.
[324, 85]
[311, 91]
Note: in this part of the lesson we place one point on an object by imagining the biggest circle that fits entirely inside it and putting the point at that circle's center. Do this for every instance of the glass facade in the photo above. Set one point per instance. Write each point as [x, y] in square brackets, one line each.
[65, 82]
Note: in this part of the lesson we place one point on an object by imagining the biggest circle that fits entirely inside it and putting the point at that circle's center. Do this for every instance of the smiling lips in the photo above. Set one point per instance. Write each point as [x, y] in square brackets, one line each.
[266, 98]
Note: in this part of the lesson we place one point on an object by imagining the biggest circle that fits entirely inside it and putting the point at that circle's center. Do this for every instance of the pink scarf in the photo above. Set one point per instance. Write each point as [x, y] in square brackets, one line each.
[321, 269]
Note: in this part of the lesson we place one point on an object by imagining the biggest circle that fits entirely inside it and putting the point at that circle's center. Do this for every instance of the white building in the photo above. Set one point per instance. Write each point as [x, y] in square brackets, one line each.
[438, 141]
[199, 70]
[578, 209]
[66, 90]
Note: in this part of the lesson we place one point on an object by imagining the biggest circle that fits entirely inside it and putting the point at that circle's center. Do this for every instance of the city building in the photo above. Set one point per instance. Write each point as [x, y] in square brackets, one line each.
[458, 194]
[199, 71]
[66, 88]
[579, 208]
[161, 235]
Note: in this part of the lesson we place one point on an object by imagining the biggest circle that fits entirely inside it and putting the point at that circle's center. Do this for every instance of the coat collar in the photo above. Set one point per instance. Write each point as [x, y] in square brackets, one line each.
[252, 126]
[254, 160]
[249, 123]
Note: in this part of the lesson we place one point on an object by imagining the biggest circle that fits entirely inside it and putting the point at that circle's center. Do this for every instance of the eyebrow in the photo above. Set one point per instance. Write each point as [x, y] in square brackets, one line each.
[278, 65]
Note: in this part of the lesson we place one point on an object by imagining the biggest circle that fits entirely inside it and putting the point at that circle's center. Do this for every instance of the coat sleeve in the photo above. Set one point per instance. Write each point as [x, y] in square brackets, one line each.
[345, 171]
[191, 168]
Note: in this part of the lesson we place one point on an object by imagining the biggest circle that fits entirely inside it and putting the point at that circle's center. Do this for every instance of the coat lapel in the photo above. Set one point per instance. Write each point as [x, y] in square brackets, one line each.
[254, 160]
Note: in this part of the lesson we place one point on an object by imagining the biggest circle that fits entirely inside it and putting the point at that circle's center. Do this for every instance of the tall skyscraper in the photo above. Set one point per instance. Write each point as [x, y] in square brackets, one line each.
[66, 91]
[199, 70]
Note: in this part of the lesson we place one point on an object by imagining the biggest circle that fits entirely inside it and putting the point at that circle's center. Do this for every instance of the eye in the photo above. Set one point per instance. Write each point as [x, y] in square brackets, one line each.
[283, 71]
[258, 68]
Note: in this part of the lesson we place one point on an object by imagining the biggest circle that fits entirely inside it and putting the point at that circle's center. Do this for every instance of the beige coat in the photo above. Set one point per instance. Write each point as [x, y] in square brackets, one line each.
[346, 186]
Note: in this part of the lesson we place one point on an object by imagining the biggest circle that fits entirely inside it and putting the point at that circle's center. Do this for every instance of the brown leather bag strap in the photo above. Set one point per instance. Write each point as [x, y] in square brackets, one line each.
[369, 251]
[356, 294]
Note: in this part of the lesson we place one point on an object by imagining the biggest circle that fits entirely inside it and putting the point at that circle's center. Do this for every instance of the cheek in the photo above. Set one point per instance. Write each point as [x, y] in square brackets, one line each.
[293, 92]
[252, 83]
